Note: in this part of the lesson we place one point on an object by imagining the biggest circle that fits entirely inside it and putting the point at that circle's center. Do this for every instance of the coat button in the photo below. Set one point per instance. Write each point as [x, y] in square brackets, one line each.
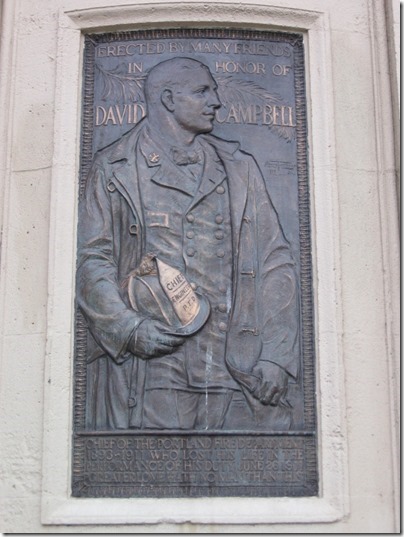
[222, 327]
[193, 285]
[111, 187]
[190, 218]
[133, 229]
[190, 252]
[219, 219]
[222, 308]
[220, 189]
[220, 253]
[219, 235]
[190, 234]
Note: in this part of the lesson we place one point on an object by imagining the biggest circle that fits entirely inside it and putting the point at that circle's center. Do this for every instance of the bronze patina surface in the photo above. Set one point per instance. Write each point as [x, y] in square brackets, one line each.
[194, 356]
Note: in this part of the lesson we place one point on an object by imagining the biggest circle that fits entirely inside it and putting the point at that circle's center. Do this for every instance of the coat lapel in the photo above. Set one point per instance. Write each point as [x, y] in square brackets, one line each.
[127, 184]
[162, 170]
[171, 176]
[123, 165]
[213, 174]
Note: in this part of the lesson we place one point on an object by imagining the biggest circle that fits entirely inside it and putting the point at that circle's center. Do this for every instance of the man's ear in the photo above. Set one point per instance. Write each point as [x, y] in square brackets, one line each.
[167, 99]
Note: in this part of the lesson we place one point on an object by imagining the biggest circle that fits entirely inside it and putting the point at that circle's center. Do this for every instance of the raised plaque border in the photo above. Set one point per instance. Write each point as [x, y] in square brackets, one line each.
[58, 506]
[307, 337]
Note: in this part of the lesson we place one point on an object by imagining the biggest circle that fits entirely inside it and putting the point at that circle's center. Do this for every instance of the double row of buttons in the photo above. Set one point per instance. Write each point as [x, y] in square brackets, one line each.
[190, 234]
[191, 219]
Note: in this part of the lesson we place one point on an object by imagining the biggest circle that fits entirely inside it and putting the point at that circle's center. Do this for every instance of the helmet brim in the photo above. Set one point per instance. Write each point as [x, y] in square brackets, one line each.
[198, 323]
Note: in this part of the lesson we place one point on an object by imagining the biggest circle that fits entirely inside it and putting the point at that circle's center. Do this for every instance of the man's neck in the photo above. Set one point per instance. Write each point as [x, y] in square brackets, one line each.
[170, 134]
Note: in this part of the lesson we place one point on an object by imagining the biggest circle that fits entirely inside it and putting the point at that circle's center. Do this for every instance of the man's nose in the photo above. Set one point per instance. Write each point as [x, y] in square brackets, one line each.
[214, 100]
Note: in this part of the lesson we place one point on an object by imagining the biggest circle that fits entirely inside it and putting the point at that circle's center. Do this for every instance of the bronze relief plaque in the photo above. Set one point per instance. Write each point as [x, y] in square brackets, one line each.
[194, 357]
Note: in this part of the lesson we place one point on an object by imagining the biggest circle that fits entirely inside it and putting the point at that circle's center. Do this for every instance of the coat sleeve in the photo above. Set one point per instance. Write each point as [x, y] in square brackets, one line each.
[110, 320]
[278, 296]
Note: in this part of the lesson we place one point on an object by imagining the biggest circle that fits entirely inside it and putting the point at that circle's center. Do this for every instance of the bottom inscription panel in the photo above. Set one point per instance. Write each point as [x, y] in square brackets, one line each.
[189, 465]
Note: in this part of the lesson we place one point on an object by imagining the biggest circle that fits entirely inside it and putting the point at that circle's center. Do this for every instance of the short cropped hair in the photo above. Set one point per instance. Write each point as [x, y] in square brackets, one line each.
[169, 75]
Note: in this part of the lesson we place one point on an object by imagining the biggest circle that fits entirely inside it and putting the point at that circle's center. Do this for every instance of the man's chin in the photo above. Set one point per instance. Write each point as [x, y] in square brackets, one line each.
[208, 128]
[201, 129]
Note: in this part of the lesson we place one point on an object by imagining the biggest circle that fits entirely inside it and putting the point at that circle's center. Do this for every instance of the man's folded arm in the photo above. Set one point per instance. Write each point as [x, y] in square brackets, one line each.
[111, 321]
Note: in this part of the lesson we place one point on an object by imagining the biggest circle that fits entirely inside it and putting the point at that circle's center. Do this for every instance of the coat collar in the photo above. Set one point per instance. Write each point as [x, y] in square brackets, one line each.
[162, 170]
[225, 149]
[124, 148]
[165, 173]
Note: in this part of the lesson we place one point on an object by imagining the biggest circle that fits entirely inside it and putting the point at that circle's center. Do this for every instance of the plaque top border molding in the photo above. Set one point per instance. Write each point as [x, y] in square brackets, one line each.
[212, 14]
[58, 507]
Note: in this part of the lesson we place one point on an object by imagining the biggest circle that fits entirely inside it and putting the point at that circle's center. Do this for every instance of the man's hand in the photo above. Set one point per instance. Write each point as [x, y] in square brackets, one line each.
[273, 383]
[150, 340]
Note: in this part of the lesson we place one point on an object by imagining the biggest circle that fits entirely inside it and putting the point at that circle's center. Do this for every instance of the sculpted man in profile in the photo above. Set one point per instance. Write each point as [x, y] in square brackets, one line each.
[198, 204]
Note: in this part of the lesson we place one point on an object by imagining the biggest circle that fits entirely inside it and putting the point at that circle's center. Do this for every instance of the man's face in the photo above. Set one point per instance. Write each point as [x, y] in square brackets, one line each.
[195, 101]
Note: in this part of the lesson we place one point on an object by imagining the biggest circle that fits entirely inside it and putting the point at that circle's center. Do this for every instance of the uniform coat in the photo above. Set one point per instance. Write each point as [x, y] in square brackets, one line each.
[264, 318]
